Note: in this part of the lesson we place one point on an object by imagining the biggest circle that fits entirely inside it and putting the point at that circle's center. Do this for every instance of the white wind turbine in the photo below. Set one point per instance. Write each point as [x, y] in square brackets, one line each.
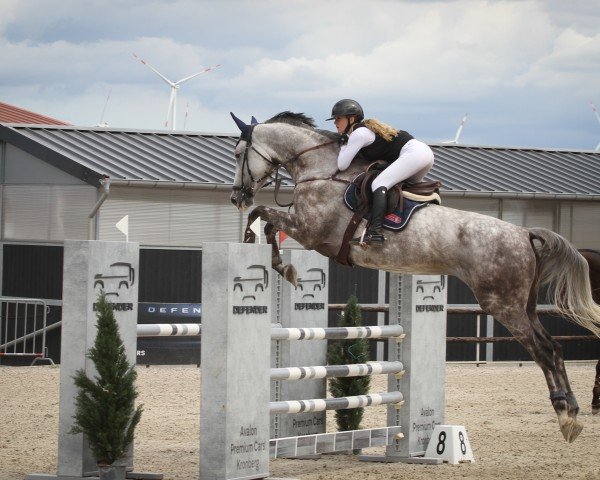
[598, 118]
[456, 137]
[172, 110]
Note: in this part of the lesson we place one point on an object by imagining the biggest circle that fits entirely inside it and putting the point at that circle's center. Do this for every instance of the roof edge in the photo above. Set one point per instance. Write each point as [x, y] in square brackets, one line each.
[46, 154]
[97, 129]
[118, 182]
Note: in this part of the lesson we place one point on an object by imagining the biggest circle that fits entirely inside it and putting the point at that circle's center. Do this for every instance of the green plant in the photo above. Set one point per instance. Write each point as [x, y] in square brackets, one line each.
[105, 405]
[342, 352]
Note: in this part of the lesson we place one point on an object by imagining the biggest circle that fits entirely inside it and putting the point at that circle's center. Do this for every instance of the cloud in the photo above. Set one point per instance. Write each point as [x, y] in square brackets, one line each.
[419, 65]
[574, 62]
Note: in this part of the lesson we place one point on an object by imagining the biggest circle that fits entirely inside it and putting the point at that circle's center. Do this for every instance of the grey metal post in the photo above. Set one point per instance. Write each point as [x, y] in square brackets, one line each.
[381, 284]
[418, 303]
[304, 306]
[489, 332]
[236, 317]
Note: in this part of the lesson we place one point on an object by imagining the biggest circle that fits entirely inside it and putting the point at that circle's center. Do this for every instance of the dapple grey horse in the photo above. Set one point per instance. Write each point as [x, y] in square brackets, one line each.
[503, 264]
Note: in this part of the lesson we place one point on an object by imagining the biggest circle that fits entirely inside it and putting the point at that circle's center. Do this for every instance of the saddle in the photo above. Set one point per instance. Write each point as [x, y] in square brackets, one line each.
[403, 200]
[418, 192]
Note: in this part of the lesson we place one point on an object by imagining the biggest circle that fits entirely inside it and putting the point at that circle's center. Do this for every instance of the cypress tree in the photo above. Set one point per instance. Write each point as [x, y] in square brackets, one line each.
[105, 405]
[343, 352]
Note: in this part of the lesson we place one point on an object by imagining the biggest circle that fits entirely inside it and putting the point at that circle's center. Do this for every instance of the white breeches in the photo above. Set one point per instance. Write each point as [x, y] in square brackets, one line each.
[415, 160]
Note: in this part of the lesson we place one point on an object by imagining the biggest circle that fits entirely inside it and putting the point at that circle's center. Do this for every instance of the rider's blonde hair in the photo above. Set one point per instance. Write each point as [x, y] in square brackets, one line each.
[385, 131]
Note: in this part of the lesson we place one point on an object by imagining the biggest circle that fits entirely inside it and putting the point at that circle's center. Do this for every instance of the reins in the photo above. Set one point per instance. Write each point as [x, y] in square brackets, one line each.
[294, 158]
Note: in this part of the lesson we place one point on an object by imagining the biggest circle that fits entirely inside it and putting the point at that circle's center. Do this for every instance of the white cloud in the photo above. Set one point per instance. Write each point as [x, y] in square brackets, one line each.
[418, 64]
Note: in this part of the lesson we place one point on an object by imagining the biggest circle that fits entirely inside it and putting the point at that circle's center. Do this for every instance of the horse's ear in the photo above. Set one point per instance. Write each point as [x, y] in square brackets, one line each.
[241, 125]
[254, 121]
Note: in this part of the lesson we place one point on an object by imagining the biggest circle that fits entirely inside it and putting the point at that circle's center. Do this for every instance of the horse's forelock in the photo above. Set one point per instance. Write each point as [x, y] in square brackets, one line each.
[297, 119]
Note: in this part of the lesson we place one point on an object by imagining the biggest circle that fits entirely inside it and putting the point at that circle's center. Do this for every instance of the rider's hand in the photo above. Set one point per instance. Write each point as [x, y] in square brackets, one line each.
[343, 140]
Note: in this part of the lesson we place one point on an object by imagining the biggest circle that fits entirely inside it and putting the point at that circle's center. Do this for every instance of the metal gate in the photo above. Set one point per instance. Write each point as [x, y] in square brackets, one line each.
[23, 328]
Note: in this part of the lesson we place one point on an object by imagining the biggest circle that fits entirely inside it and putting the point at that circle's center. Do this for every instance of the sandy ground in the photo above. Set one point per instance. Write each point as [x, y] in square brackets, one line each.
[511, 426]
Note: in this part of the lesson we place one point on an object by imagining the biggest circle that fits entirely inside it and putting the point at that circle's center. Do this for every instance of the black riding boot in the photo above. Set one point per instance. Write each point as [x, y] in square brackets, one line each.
[374, 233]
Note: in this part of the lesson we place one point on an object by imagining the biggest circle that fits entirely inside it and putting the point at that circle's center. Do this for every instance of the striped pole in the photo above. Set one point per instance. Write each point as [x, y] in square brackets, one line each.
[353, 370]
[168, 329]
[277, 333]
[336, 333]
[339, 403]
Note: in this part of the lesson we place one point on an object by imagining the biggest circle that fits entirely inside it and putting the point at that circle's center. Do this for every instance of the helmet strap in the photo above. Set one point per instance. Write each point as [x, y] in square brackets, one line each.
[350, 126]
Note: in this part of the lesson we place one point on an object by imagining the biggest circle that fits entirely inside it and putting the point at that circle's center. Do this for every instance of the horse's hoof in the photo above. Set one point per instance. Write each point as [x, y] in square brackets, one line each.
[571, 429]
[290, 274]
[595, 409]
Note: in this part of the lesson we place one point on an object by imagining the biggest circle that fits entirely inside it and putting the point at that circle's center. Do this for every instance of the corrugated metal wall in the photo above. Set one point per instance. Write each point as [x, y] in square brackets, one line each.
[168, 217]
[178, 217]
[46, 212]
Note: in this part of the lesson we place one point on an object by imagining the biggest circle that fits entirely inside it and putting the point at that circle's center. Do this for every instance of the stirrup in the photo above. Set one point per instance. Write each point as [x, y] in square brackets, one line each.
[368, 238]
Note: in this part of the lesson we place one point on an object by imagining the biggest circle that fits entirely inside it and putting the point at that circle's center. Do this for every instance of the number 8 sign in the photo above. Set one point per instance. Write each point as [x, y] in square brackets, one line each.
[450, 443]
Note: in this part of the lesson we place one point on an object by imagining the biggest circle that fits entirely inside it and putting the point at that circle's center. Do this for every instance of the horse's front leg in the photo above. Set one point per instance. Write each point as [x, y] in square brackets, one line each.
[286, 271]
[276, 221]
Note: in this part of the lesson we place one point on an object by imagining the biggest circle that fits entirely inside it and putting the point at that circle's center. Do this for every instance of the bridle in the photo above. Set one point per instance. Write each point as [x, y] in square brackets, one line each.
[247, 190]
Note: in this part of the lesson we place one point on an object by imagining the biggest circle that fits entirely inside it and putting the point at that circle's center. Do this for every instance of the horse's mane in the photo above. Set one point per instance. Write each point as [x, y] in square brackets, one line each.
[300, 120]
[297, 119]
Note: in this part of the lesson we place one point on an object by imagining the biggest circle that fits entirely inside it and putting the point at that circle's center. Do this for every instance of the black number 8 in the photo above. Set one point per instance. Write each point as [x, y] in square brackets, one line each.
[441, 446]
[463, 446]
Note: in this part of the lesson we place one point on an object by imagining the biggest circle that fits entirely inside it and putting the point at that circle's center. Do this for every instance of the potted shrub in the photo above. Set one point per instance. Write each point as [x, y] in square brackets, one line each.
[343, 352]
[105, 405]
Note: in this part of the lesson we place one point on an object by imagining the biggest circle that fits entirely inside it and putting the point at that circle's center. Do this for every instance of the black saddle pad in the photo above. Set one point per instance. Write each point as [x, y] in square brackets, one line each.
[396, 220]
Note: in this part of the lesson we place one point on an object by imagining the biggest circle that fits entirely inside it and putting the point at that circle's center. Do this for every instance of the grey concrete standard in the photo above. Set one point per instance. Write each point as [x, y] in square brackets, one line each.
[236, 332]
[235, 359]
[301, 306]
[418, 302]
[91, 266]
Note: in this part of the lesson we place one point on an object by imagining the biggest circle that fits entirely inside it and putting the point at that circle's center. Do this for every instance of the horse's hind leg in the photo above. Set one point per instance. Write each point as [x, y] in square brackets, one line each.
[547, 353]
[559, 364]
[596, 391]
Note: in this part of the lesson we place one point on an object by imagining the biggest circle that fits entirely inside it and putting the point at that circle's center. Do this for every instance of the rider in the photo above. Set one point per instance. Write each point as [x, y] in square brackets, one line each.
[407, 158]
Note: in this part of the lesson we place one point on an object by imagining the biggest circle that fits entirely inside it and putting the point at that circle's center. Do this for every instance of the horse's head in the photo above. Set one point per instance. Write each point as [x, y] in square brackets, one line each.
[254, 165]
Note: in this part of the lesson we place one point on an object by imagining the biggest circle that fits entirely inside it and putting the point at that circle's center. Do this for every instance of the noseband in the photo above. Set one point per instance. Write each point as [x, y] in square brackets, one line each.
[247, 190]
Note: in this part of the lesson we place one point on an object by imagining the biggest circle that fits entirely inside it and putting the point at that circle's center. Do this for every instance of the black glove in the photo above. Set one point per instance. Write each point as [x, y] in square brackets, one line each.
[343, 140]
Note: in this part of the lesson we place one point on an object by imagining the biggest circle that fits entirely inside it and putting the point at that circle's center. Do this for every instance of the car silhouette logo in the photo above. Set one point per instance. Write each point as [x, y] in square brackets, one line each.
[258, 280]
[433, 286]
[122, 275]
[318, 282]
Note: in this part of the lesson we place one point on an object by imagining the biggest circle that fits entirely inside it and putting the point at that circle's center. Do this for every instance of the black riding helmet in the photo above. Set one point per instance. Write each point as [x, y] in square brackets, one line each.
[347, 107]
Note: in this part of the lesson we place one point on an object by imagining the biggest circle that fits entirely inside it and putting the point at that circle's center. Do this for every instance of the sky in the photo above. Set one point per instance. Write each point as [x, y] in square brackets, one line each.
[525, 72]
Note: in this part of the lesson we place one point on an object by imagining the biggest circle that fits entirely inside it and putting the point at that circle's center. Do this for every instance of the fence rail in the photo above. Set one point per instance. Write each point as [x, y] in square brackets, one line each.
[28, 317]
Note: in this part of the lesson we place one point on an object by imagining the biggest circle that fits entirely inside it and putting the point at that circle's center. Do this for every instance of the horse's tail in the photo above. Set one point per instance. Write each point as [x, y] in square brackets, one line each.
[562, 268]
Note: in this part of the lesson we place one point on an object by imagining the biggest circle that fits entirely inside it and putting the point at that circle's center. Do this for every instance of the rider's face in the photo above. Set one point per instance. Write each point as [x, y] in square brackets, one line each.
[341, 123]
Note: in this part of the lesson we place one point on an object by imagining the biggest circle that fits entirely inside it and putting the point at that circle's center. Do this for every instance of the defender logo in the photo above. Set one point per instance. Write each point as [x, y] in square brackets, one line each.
[123, 276]
[256, 281]
[116, 283]
[315, 283]
[318, 282]
[429, 289]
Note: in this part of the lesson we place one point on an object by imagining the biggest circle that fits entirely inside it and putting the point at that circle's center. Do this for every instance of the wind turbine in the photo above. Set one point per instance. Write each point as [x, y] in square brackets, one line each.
[456, 137]
[102, 123]
[172, 110]
[598, 118]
